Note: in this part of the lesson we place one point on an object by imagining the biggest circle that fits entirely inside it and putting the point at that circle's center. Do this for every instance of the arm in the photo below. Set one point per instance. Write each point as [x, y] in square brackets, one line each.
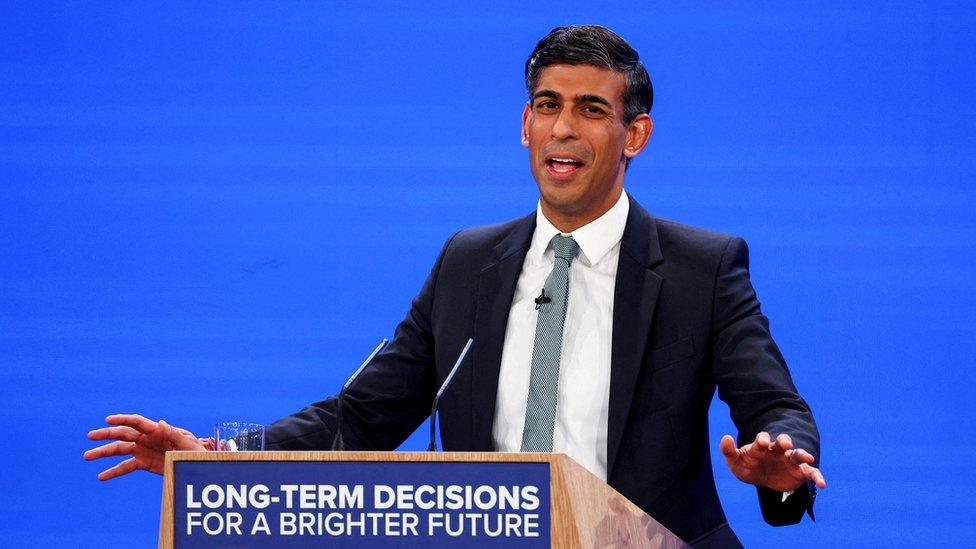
[389, 399]
[754, 381]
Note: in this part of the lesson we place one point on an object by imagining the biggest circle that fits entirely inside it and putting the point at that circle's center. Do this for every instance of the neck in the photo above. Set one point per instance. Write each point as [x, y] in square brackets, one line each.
[569, 221]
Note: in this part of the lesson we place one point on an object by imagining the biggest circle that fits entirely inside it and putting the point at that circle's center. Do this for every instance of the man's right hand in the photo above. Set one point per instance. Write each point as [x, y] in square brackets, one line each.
[145, 440]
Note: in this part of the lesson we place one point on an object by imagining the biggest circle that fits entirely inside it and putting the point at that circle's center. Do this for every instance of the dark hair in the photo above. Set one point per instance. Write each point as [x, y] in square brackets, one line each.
[598, 46]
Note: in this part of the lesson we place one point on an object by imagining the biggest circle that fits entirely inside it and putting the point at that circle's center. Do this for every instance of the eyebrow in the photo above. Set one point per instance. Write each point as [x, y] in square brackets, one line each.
[585, 98]
[590, 98]
[546, 93]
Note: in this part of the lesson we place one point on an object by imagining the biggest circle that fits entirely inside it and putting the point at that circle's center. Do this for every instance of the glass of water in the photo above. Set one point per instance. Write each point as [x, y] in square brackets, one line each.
[235, 436]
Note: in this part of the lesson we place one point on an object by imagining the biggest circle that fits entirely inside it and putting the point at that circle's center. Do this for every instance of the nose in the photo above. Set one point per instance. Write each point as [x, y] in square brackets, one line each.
[564, 126]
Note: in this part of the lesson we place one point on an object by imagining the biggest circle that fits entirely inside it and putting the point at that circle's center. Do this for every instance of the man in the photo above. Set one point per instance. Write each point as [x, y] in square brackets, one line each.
[600, 331]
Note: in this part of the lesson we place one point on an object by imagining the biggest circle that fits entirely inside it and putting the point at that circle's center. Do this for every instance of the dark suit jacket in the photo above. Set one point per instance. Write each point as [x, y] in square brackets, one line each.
[685, 321]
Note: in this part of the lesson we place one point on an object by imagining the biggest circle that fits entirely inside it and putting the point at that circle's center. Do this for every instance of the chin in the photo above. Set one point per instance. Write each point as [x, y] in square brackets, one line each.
[561, 202]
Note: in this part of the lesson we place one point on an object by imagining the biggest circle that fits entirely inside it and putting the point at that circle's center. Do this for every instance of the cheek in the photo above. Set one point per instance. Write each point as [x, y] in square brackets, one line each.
[612, 147]
[537, 134]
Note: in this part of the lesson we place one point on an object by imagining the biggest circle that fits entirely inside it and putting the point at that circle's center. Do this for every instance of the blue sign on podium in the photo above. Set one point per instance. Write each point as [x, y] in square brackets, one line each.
[352, 504]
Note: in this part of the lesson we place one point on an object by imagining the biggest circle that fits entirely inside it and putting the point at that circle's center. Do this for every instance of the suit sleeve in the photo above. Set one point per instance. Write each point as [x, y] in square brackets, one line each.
[754, 381]
[387, 402]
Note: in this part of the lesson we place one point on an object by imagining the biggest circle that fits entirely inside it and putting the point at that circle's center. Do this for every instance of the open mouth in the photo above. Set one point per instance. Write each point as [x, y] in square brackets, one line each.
[562, 166]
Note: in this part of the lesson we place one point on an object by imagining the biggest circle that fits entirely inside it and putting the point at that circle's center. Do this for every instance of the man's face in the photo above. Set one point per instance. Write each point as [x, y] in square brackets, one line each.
[573, 127]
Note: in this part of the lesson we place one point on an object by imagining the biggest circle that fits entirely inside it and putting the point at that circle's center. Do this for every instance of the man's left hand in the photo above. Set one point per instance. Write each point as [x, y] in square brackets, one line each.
[775, 464]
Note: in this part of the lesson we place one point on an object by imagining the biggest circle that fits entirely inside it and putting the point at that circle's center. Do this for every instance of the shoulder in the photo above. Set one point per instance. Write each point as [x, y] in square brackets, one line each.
[496, 240]
[489, 235]
[676, 243]
[700, 254]
[678, 238]
[468, 252]
[670, 244]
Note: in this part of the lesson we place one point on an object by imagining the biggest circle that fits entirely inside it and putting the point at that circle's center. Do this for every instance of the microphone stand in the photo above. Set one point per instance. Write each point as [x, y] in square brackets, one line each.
[337, 442]
[432, 447]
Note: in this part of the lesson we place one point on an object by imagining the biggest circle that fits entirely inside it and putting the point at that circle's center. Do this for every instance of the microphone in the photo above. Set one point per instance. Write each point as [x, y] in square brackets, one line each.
[337, 443]
[432, 447]
[542, 299]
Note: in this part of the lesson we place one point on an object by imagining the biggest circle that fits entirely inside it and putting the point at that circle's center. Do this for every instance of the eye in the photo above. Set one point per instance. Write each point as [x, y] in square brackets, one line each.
[592, 110]
[547, 105]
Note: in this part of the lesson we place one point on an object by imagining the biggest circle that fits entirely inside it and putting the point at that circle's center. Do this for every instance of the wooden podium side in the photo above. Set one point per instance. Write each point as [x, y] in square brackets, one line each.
[585, 511]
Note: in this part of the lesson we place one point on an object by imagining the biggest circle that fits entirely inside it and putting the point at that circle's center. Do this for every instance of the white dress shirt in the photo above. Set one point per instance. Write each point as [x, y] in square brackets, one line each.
[583, 400]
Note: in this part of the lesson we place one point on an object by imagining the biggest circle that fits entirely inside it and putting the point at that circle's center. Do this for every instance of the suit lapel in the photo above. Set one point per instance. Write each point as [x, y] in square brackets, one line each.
[634, 300]
[496, 289]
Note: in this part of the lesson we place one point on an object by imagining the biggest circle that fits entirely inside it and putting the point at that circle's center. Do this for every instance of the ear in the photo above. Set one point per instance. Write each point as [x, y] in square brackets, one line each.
[638, 132]
[526, 112]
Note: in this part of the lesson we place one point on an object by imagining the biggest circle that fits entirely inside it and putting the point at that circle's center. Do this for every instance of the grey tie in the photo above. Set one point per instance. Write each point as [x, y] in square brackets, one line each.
[540, 411]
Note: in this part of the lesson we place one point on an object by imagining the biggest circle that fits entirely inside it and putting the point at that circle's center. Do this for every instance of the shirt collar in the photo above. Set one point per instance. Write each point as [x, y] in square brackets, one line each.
[595, 239]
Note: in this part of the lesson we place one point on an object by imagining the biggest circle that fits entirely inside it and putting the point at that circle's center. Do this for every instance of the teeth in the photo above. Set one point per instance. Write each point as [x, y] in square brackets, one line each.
[569, 160]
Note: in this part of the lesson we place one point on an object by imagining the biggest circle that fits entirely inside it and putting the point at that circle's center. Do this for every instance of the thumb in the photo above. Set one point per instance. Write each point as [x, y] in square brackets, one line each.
[727, 447]
[166, 430]
[170, 434]
[180, 438]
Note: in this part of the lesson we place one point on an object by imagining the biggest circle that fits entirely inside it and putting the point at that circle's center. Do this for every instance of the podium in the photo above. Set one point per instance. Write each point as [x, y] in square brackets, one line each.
[395, 499]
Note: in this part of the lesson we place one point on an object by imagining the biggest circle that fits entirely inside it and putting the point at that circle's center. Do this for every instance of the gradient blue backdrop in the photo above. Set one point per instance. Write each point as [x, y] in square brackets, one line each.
[214, 214]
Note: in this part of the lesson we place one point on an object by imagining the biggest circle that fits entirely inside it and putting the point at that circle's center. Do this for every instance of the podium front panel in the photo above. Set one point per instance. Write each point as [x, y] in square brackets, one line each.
[360, 503]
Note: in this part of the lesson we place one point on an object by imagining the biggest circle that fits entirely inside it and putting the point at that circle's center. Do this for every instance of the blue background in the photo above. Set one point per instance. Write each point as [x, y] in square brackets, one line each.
[215, 213]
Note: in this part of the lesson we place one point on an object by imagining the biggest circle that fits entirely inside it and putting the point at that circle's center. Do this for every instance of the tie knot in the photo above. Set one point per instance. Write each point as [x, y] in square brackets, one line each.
[564, 247]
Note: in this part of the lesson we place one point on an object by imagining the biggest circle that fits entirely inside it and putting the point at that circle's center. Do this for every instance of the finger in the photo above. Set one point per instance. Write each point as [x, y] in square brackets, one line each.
[799, 455]
[759, 448]
[813, 474]
[135, 421]
[783, 442]
[110, 449]
[123, 468]
[763, 440]
[115, 433]
[727, 447]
